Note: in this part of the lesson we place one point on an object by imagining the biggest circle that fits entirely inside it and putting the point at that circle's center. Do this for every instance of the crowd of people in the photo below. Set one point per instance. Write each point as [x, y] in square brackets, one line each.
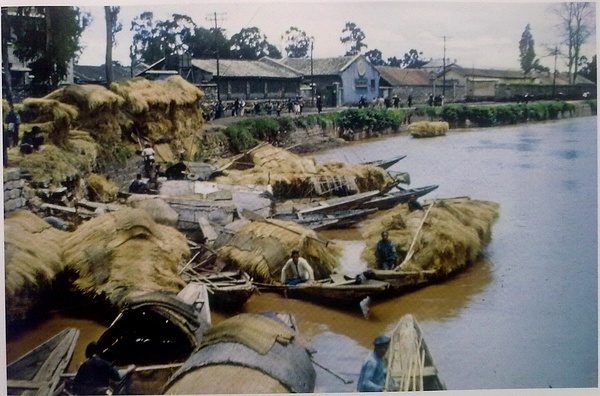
[239, 107]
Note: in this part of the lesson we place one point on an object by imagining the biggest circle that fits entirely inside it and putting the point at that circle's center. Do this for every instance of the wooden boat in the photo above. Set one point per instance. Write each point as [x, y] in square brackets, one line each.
[401, 281]
[40, 370]
[337, 290]
[228, 289]
[323, 221]
[385, 163]
[391, 199]
[248, 353]
[410, 364]
[335, 204]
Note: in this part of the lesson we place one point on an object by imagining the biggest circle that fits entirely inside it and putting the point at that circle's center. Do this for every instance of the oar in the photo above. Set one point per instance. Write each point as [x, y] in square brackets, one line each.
[344, 379]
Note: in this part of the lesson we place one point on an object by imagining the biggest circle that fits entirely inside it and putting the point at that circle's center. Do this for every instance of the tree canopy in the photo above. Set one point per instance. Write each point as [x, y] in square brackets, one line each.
[413, 60]
[353, 38]
[375, 57]
[48, 38]
[297, 43]
[526, 50]
[251, 44]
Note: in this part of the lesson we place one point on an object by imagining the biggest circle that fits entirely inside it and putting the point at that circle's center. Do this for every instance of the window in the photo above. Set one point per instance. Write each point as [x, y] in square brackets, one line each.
[372, 84]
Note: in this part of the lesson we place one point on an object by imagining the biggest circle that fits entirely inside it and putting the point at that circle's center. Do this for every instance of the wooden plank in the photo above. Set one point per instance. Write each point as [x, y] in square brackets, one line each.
[22, 384]
[207, 229]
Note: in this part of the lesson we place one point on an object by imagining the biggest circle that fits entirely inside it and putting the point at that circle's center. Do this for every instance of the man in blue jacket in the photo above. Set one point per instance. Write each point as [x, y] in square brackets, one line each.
[385, 253]
[373, 372]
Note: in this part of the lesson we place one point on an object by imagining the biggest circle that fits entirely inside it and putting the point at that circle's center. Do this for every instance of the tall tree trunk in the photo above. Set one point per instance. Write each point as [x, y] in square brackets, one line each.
[108, 15]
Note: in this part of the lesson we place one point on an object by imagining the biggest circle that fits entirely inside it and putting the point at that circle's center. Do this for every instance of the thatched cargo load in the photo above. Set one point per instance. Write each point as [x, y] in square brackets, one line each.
[247, 354]
[293, 176]
[262, 248]
[32, 254]
[423, 129]
[452, 236]
[124, 254]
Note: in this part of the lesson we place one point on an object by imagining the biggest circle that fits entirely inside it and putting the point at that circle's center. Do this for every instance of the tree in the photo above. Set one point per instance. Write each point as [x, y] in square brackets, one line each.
[48, 38]
[394, 62]
[588, 69]
[153, 41]
[251, 44]
[526, 50]
[204, 43]
[354, 39]
[576, 26]
[298, 43]
[375, 57]
[113, 26]
[412, 60]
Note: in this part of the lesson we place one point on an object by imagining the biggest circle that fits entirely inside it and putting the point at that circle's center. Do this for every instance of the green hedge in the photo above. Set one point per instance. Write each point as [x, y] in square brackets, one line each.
[371, 119]
[240, 137]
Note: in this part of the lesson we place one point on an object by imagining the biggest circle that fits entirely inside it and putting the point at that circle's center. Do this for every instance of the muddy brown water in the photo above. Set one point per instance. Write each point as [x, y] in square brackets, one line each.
[524, 316]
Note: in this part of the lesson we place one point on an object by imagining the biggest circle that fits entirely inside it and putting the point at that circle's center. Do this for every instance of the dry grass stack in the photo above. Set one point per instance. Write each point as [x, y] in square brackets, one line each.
[163, 111]
[100, 188]
[424, 129]
[262, 248]
[124, 254]
[452, 236]
[32, 254]
[292, 176]
[99, 111]
[52, 116]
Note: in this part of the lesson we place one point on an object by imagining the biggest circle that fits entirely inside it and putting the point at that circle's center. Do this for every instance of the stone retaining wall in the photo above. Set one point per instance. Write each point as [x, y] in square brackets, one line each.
[16, 193]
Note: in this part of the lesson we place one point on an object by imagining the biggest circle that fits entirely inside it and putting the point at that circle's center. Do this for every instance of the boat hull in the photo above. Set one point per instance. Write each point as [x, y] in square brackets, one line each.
[390, 200]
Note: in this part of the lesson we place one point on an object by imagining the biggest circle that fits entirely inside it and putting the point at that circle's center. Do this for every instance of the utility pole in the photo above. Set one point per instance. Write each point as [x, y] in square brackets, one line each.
[555, 53]
[312, 78]
[215, 18]
[444, 70]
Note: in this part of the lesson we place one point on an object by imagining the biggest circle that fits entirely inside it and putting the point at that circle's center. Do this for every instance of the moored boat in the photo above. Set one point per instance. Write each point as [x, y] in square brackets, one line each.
[248, 353]
[391, 199]
[401, 281]
[385, 163]
[39, 371]
[323, 221]
[337, 290]
[335, 204]
[410, 364]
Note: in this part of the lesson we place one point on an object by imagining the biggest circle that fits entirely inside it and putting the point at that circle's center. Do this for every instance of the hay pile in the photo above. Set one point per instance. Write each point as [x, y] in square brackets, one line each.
[76, 157]
[452, 236]
[292, 176]
[428, 129]
[261, 249]
[124, 254]
[53, 117]
[32, 254]
[98, 110]
[100, 188]
[157, 208]
[163, 111]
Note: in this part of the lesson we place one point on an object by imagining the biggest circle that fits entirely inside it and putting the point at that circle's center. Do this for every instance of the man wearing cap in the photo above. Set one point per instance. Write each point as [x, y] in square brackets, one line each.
[296, 270]
[373, 372]
[385, 253]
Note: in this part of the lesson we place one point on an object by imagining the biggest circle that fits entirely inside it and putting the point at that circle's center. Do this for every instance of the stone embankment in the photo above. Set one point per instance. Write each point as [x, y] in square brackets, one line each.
[16, 192]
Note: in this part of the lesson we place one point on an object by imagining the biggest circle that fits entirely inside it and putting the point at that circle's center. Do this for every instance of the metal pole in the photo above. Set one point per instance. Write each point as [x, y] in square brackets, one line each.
[444, 69]
[312, 78]
[217, 53]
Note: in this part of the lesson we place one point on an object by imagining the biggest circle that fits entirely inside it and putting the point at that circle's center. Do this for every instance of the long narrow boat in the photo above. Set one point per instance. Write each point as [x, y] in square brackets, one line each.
[402, 281]
[40, 370]
[337, 290]
[391, 199]
[323, 221]
[410, 364]
[247, 354]
[334, 204]
[385, 163]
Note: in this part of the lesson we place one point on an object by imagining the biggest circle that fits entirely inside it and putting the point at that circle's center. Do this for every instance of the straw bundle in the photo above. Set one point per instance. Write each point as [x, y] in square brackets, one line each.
[428, 129]
[452, 236]
[32, 259]
[125, 253]
[37, 111]
[160, 211]
[293, 176]
[261, 249]
[100, 188]
[75, 158]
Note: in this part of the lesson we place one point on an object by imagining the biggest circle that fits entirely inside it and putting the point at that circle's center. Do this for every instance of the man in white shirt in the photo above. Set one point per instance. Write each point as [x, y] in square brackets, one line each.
[296, 270]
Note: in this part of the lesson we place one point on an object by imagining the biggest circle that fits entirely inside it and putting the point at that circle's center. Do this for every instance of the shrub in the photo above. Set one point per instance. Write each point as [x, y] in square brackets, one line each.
[240, 137]
[286, 123]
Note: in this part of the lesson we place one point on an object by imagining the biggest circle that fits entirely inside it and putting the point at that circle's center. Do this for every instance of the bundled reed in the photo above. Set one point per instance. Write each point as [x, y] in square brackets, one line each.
[452, 236]
[32, 254]
[59, 115]
[262, 248]
[292, 176]
[123, 254]
[100, 188]
[423, 129]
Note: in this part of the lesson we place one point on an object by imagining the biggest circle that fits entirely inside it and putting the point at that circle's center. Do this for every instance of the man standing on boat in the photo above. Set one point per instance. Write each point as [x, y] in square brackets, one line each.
[373, 372]
[296, 270]
[385, 253]
[95, 374]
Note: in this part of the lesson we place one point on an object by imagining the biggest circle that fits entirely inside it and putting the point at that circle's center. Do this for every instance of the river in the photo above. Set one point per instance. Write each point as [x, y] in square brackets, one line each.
[524, 317]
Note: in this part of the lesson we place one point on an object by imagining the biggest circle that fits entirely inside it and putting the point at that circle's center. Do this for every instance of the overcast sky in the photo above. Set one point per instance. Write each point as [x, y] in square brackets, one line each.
[478, 34]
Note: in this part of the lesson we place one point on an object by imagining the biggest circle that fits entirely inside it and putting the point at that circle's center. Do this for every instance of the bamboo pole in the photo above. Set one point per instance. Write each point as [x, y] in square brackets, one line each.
[412, 245]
